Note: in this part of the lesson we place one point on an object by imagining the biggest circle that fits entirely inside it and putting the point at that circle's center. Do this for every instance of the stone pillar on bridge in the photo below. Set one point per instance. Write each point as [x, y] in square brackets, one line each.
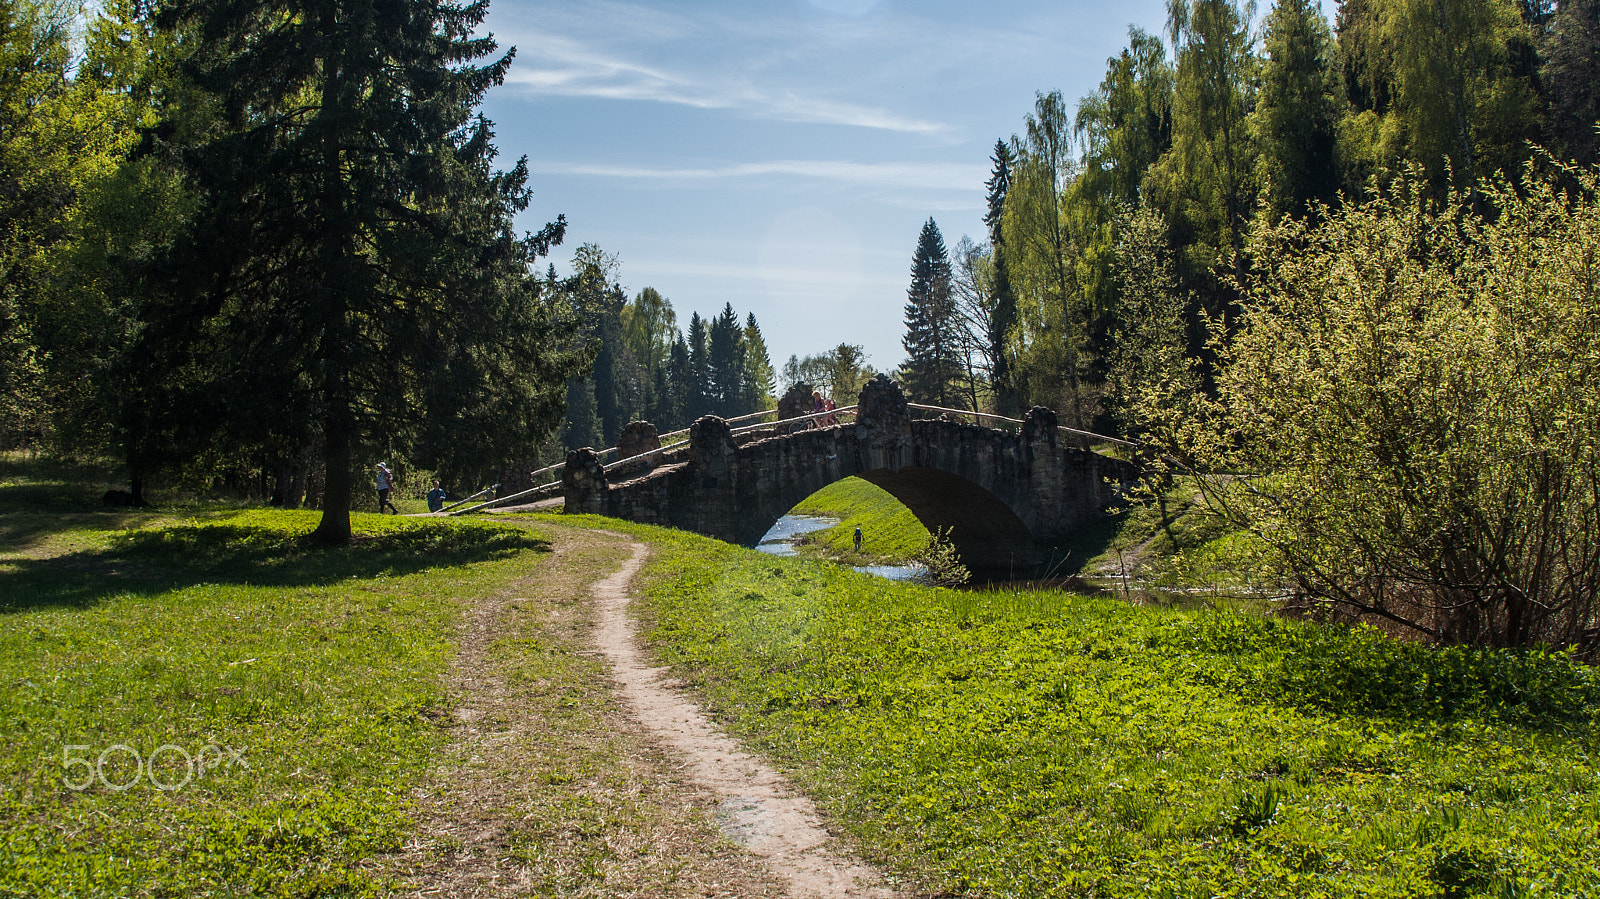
[883, 425]
[1042, 459]
[583, 482]
[795, 403]
[637, 437]
[711, 447]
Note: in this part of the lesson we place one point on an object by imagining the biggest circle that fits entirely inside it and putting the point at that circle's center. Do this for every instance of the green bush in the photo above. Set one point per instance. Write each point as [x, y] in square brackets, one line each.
[1406, 410]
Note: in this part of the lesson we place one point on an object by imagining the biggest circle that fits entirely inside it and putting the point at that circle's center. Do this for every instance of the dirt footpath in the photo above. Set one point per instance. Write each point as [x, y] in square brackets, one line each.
[575, 770]
[759, 809]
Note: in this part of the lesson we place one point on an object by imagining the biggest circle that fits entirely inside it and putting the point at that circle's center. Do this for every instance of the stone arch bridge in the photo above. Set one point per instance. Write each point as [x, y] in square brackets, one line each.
[1006, 498]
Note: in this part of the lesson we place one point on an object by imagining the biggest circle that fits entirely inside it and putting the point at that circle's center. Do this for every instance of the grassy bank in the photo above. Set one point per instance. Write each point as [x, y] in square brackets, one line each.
[891, 534]
[1045, 744]
[208, 705]
[1174, 547]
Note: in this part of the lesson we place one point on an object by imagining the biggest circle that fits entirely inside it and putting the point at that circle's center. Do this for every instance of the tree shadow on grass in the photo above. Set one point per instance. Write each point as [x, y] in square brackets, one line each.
[156, 560]
[20, 531]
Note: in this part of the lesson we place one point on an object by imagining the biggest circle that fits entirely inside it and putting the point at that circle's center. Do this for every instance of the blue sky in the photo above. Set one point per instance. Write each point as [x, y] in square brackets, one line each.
[782, 156]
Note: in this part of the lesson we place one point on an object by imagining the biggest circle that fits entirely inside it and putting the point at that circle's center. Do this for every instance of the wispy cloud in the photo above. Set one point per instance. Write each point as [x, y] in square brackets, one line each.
[567, 68]
[916, 175]
[563, 67]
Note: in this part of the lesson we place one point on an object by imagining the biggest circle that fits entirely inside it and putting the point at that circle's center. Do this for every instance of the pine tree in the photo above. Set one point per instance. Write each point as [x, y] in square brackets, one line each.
[1296, 110]
[932, 364]
[759, 380]
[1571, 75]
[351, 238]
[1002, 316]
[725, 363]
[696, 395]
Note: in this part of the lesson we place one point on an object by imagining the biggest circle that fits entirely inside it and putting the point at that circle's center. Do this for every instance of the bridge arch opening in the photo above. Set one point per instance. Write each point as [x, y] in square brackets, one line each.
[986, 533]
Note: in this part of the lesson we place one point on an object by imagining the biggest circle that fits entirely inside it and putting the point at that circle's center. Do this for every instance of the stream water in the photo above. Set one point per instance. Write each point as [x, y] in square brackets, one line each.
[780, 540]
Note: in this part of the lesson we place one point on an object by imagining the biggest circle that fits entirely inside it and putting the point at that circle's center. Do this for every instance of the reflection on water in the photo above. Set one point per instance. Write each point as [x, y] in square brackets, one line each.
[782, 537]
[912, 572]
[780, 540]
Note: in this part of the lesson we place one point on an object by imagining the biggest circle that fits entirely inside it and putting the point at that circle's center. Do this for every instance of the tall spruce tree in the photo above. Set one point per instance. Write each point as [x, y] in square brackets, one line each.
[1571, 76]
[1002, 314]
[725, 363]
[697, 398]
[759, 381]
[1297, 109]
[932, 362]
[680, 377]
[351, 237]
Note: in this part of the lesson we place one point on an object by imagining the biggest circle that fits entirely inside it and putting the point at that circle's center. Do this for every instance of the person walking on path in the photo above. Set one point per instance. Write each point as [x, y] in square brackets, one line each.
[385, 485]
[436, 497]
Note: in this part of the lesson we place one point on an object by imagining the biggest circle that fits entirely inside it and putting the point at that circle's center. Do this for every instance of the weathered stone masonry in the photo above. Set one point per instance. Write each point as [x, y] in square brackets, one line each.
[1006, 498]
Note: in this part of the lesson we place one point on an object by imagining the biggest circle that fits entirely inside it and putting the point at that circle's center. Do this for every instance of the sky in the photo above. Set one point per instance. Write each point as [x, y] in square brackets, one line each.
[782, 156]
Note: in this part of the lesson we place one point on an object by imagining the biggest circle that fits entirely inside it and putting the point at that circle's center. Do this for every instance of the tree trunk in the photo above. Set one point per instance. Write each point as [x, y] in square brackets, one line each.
[337, 248]
[334, 528]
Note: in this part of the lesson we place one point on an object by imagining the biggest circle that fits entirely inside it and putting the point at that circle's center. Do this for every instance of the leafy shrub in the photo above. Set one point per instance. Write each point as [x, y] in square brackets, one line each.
[938, 555]
[1405, 412]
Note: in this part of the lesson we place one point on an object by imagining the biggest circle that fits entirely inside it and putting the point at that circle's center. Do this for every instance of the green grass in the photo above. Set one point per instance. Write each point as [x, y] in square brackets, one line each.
[1047, 744]
[1174, 549]
[308, 681]
[891, 534]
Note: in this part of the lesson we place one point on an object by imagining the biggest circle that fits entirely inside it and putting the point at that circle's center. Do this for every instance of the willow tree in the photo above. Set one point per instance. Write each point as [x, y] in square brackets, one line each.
[1449, 85]
[353, 248]
[1466, 85]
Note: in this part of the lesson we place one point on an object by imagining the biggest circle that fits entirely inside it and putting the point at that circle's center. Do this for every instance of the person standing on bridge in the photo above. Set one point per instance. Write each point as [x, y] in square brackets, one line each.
[436, 497]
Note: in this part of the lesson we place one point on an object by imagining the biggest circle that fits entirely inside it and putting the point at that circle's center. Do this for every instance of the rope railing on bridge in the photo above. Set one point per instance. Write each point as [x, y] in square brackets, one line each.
[534, 492]
[462, 502]
[830, 414]
[1017, 421]
[684, 433]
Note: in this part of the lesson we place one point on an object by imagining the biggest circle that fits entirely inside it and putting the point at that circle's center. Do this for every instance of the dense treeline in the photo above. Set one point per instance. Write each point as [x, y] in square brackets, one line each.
[267, 244]
[224, 265]
[646, 367]
[1339, 277]
[1221, 123]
